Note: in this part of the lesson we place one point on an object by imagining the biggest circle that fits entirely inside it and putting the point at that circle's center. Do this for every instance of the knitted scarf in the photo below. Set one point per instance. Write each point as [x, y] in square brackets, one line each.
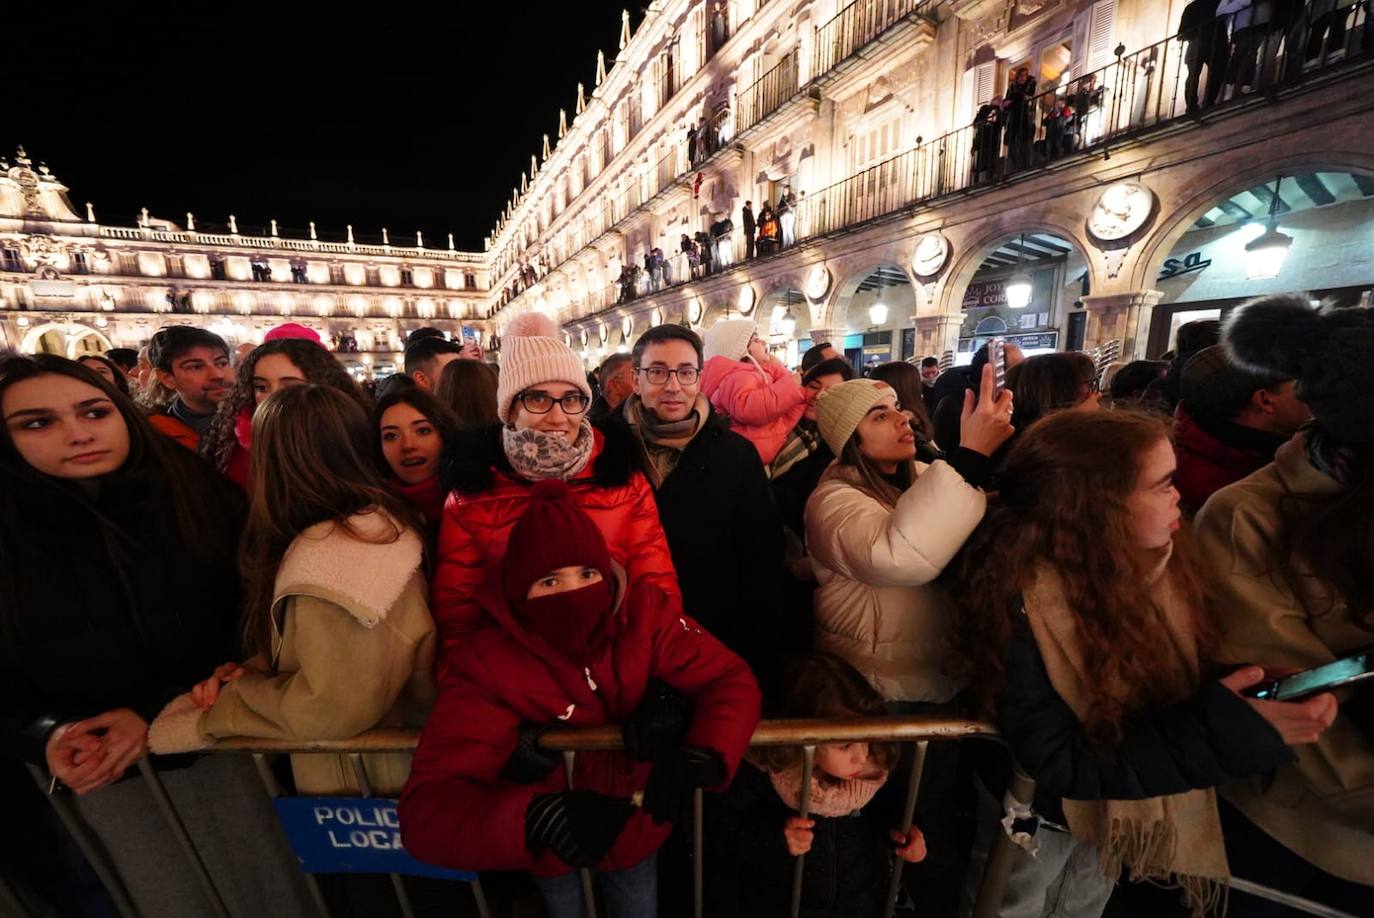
[661, 442]
[536, 455]
[828, 798]
[1173, 840]
[804, 440]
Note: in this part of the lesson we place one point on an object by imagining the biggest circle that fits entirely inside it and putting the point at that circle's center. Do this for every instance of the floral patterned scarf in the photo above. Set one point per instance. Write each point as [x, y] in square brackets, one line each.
[536, 455]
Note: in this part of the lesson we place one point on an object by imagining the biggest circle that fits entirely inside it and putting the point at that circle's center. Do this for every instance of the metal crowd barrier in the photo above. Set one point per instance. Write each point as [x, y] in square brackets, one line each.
[919, 731]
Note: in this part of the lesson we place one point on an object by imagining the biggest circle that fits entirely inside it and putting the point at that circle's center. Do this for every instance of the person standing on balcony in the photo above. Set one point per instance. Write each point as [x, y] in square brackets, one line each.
[1107, 685]
[987, 140]
[1205, 45]
[692, 144]
[1020, 113]
[787, 217]
[750, 227]
[750, 386]
[769, 231]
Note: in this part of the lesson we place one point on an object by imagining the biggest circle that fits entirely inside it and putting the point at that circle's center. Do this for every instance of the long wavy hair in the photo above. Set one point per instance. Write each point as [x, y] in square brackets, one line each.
[905, 380]
[311, 463]
[1063, 503]
[467, 388]
[316, 364]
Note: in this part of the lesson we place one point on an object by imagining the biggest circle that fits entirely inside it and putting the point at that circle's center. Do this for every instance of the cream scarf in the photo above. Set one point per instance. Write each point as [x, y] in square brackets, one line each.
[838, 798]
[1173, 840]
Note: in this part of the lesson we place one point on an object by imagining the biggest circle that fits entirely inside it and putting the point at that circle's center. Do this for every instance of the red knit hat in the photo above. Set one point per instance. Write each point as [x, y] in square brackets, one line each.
[553, 533]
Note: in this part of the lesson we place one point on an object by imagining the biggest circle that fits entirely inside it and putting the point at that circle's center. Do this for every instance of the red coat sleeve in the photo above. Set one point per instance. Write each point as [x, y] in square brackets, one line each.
[455, 812]
[458, 574]
[725, 696]
[647, 557]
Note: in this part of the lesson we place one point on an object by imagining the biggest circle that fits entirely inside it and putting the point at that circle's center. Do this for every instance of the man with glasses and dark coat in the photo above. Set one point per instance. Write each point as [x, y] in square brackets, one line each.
[712, 494]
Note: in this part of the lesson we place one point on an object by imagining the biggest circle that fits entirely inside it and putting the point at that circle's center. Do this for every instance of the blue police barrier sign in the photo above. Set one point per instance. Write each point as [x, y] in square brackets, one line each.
[351, 835]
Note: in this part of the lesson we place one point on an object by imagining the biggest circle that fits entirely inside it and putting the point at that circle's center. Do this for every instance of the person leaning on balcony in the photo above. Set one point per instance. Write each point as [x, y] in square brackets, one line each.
[750, 228]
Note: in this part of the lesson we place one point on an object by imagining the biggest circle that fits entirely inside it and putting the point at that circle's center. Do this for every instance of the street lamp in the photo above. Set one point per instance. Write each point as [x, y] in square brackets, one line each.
[1018, 289]
[1265, 254]
[877, 313]
[788, 323]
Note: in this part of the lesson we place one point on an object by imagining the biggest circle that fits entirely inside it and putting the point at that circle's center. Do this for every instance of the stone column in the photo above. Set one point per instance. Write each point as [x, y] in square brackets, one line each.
[937, 334]
[1121, 315]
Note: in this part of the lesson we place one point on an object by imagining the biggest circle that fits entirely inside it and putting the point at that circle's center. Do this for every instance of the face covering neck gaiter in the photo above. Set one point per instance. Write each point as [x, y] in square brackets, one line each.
[576, 623]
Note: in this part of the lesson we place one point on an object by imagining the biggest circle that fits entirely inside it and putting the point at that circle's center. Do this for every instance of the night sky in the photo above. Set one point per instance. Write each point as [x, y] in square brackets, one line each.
[424, 121]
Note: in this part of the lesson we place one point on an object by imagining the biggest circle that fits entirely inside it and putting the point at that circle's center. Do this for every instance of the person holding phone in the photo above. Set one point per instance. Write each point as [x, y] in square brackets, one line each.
[1293, 545]
[1081, 618]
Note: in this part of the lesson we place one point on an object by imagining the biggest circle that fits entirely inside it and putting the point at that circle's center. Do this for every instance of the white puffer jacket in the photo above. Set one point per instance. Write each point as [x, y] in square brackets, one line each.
[876, 605]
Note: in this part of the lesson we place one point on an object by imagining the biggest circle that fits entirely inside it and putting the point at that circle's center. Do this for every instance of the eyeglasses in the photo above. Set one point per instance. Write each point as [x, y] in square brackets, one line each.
[659, 375]
[542, 403]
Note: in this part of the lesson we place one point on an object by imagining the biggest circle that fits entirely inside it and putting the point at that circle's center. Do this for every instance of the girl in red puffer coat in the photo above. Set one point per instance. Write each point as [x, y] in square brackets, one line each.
[762, 399]
[570, 642]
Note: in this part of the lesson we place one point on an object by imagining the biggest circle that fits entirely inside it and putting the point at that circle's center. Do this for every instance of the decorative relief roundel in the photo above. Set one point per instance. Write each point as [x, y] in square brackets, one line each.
[818, 282]
[931, 254]
[1121, 210]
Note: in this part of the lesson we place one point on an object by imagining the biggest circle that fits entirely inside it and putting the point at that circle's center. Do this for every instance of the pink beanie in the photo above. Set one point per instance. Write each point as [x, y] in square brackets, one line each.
[531, 353]
[293, 330]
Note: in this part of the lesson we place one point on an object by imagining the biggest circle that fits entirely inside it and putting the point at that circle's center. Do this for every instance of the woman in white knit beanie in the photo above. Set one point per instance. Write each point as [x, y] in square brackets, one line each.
[542, 398]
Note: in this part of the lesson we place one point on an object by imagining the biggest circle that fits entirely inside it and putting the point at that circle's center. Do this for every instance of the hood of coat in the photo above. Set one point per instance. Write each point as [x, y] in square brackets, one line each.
[330, 562]
[719, 369]
[493, 599]
[472, 462]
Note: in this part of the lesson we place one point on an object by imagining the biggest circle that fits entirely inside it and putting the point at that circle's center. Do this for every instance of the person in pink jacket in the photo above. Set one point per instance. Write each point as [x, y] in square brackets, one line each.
[762, 399]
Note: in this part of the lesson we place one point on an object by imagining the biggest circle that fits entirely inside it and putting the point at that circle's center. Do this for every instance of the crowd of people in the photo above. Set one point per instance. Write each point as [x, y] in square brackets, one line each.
[197, 544]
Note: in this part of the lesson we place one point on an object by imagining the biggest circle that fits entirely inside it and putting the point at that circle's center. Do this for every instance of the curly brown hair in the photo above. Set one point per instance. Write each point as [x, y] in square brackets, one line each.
[1063, 503]
[316, 364]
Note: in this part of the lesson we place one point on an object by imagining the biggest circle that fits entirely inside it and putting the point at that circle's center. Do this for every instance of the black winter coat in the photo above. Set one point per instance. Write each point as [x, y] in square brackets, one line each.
[793, 488]
[105, 608]
[847, 869]
[725, 538]
[1201, 742]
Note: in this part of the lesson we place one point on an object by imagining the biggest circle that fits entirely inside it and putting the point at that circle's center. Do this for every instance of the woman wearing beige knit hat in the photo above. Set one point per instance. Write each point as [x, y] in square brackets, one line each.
[542, 399]
[881, 527]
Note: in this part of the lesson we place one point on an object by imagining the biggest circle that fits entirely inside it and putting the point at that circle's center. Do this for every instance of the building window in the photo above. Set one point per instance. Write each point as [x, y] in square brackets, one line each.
[12, 261]
[217, 268]
[470, 281]
[298, 273]
[79, 264]
[262, 271]
[407, 278]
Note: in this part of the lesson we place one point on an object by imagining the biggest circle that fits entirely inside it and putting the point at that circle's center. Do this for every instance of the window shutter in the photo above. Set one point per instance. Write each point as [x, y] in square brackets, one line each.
[1101, 34]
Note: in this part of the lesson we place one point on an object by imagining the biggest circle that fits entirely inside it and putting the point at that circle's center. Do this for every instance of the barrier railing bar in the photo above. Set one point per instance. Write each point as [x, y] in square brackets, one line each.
[588, 894]
[698, 852]
[90, 849]
[269, 783]
[173, 820]
[1020, 788]
[803, 810]
[913, 785]
[355, 759]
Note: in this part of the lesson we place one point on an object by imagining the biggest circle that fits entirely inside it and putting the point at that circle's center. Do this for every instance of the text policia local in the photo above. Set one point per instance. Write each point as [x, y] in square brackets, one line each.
[361, 826]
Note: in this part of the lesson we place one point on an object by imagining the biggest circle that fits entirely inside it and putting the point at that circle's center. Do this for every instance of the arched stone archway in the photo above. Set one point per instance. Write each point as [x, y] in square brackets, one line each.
[40, 339]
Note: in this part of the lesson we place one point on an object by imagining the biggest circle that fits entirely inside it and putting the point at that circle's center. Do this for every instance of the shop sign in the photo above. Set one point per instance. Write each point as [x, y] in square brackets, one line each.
[1191, 263]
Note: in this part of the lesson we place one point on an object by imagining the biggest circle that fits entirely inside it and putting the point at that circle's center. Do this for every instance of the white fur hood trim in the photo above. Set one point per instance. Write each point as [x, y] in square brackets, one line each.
[366, 578]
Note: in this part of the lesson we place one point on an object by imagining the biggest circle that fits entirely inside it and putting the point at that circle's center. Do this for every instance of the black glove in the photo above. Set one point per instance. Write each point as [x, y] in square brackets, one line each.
[658, 726]
[529, 763]
[671, 784]
[578, 826]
